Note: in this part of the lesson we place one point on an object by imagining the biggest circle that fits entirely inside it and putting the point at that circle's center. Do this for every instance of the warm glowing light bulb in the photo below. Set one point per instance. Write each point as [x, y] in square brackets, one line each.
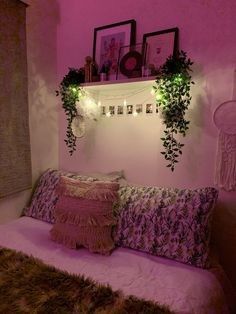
[135, 114]
[125, 102]
[89, 102]
[159, 96]
[74, 89]
[99, 103]
[178, 79]
[153, 91]
[108, 114]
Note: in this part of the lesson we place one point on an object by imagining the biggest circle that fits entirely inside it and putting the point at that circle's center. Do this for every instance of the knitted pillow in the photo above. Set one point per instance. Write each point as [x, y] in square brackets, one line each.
[45, 196]
[84, 214]
[167, 222]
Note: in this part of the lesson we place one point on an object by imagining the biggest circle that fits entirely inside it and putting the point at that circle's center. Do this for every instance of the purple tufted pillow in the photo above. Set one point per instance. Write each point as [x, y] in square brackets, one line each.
[167, 222]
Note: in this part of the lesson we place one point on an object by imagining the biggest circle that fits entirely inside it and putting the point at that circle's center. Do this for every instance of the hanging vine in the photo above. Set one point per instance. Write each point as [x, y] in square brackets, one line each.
[70, 92]
[172, 91]
[173, 98]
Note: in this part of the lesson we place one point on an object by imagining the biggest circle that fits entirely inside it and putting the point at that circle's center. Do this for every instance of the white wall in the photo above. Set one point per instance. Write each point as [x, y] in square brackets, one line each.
[42, 21]
[207, 34]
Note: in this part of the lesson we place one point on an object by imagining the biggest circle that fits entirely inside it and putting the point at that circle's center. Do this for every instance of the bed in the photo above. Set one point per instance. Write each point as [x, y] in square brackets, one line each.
[185, 289]
[157, 240]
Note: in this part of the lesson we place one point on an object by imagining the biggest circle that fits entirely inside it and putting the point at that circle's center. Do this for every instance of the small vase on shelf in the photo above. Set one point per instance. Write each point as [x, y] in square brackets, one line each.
[104, 72]
[103, 76]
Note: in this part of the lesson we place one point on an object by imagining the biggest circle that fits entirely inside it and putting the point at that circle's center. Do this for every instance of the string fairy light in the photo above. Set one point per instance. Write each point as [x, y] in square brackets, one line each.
[121, 99]
[152, 91]
[111, 96]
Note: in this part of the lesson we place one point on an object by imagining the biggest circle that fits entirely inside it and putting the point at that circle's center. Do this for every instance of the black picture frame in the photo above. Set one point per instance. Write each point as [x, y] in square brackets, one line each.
[107, 42]
[159, 46]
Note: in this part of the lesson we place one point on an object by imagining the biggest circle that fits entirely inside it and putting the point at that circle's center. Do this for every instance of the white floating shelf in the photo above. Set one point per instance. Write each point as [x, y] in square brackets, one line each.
[134, 83]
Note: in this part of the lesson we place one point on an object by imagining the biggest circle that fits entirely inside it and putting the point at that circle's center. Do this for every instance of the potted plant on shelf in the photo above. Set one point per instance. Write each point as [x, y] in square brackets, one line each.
[104, 72]
[70, 92]
[172, 91]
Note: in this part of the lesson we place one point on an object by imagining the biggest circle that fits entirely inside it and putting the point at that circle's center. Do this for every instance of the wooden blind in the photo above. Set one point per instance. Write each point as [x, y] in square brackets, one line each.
[15, 157]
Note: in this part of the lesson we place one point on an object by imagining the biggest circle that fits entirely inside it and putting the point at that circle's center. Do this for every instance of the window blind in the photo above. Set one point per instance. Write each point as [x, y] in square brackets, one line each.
[15, 157]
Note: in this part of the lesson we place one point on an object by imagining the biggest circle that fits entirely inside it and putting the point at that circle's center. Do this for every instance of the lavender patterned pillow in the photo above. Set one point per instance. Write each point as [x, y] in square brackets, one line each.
[167, 222]
[45, 197]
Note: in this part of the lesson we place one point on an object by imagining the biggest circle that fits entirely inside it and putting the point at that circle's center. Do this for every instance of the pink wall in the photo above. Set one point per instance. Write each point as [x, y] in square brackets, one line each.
[207, 33]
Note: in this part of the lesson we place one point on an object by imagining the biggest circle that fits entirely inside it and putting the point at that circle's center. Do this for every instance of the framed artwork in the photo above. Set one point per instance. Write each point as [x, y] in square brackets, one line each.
[139, 108]
[120, 109]
[107, 42]
[103, 110]
[129, 109]
[159, 46]
[112, 110]
[149, 108]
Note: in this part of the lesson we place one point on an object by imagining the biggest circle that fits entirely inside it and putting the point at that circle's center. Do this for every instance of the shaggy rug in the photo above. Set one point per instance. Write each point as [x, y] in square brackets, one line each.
[29, 286]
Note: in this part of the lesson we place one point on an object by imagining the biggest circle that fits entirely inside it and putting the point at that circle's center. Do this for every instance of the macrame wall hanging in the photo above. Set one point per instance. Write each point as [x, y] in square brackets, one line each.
[225, 119]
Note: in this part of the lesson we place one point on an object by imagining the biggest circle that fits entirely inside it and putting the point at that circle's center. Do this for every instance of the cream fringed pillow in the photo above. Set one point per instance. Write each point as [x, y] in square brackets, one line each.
[84, 214]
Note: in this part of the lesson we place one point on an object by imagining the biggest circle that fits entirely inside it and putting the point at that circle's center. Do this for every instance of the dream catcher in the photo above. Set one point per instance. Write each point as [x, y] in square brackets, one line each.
[225, 120]
[86, 110]
[78, 126]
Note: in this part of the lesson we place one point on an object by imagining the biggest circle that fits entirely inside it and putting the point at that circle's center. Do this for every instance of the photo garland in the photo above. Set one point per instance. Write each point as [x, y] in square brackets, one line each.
[131, 109]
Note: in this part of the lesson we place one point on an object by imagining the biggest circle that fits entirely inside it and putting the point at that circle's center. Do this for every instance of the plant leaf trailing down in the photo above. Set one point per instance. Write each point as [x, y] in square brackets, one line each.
[172, 93]
[70, 92]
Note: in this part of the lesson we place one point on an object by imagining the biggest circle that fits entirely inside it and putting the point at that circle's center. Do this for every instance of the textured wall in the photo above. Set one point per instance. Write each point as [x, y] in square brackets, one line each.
[42, 23]
[207, 34]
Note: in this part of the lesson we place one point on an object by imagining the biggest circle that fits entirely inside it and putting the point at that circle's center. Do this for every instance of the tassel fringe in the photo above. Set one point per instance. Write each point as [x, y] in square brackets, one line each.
[101, 191]
[96, 239]
[74, 218]
[64, 239]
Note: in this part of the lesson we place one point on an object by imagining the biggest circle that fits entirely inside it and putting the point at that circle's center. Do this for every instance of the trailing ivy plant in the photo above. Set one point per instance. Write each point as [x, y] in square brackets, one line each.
[173, 98]
[70, 92]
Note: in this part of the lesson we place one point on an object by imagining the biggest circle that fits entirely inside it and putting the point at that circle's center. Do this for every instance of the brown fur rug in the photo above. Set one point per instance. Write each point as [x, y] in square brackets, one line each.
[29, 286]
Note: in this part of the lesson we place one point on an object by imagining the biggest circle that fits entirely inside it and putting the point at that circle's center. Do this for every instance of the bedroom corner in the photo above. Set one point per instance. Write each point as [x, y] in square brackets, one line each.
[110, 208]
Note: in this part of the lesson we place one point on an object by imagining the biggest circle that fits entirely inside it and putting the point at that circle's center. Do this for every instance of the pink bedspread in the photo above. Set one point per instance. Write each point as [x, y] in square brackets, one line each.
[185, 289]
